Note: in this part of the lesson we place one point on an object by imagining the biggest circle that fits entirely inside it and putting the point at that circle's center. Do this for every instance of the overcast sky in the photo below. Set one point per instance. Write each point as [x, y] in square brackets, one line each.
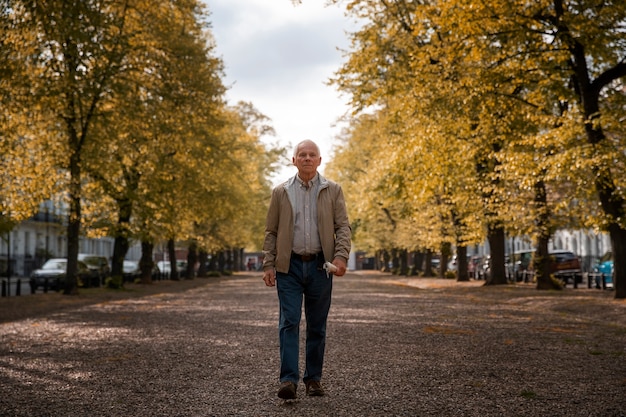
[278, 57]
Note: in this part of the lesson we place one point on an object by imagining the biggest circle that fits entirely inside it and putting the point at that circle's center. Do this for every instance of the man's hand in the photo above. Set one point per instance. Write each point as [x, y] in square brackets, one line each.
[269, 276]
[341, 267]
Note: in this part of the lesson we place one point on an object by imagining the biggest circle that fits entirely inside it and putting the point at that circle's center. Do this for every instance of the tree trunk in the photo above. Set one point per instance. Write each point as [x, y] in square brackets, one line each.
[73, 233]
[497, 273]
[221, 261]
[238, 263]
[395, 261]
[541, 258]
[229, 260]
[541, 265]
[146, 264]
[386, 259]
[613, 206]
[192, 259]
[418, 261]
[428, 264]
[589, 91]
[446, 253]
[213, 262]
[171, 251]
[618, 243]
[121, 244]
[404, 262]
[203, 259]
[462, 274]
[73, 223]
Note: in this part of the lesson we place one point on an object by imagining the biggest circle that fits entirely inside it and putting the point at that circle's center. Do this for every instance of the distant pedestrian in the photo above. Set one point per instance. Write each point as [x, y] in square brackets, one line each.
[307, 225]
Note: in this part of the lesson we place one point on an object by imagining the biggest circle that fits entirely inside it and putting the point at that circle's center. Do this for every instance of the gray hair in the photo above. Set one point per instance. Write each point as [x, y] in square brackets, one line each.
[297, 148]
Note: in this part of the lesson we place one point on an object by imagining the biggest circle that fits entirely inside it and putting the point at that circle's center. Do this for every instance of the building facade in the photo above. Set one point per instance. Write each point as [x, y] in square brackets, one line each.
[42, 237]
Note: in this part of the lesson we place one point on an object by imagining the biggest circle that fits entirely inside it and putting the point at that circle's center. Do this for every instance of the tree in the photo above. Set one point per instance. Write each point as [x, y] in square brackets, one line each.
[120, 105]
[566, 62]
[592, 88]
[425, 112]
[75, 50]
[170, 105]
[505, 72]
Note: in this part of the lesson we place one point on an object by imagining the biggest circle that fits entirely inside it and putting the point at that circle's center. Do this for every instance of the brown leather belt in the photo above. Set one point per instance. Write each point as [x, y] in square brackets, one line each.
[305, 258]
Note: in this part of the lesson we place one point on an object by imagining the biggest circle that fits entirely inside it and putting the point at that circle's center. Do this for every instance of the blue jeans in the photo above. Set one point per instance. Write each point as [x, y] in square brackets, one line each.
[305, 280]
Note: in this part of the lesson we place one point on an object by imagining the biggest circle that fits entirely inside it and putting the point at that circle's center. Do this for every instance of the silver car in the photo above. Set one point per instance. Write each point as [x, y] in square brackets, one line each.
[53, 274]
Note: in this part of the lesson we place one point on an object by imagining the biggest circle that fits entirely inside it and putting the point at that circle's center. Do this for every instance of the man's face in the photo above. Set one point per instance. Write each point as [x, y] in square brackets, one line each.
[307, 160]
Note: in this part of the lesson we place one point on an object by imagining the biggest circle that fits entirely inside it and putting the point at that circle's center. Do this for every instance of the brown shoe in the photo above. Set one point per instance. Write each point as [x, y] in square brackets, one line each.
[287, 390]
[314, 389]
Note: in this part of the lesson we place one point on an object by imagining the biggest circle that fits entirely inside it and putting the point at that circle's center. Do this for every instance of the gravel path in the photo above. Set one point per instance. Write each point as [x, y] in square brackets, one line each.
[396, 347]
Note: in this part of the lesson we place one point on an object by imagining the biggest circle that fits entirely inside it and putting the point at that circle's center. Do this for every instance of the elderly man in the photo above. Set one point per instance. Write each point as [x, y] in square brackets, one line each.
[307, 227]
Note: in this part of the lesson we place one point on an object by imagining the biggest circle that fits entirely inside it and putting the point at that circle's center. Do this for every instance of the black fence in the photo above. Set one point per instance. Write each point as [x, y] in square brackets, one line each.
[11, 287]
[17, 286]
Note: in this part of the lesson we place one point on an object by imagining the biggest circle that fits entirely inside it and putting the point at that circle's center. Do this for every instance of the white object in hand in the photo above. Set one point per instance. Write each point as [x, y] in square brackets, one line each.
[330, 267]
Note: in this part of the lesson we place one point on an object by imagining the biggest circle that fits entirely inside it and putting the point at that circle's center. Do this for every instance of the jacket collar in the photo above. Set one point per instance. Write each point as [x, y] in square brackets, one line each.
[291, 181]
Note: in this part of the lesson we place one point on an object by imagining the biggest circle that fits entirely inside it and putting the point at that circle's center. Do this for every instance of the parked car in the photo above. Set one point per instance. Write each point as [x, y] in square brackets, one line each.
[99, 267]
[474, 264]
[565, 265]
[131, 271]
[519, 263]
[452, 263]
[165, 268]
[605, 266]
[54, 273]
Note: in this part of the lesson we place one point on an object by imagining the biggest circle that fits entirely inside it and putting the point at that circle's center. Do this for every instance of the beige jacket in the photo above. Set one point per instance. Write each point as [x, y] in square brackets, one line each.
[332, 222]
